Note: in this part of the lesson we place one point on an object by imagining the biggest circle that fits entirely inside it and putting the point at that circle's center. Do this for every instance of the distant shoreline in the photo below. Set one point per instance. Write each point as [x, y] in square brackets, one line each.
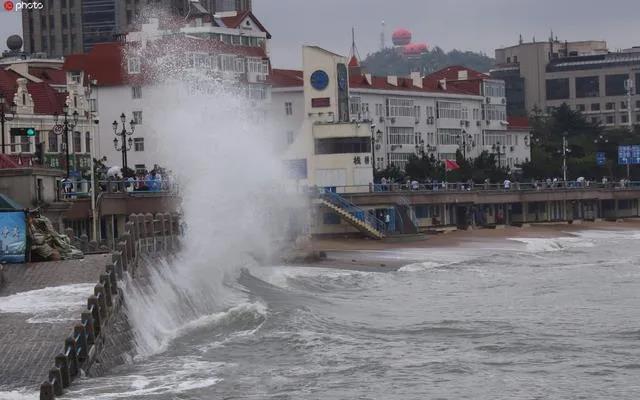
[360, 254]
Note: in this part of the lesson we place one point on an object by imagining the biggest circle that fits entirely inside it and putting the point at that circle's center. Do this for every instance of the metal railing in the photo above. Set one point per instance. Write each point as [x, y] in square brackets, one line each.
[144, 234]
[437, 187]
[133, 188]
[355, 211]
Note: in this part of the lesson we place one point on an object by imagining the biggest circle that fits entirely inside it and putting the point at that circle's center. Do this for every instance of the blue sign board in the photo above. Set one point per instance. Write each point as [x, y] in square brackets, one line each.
[601, 158]
[13, 237]
[629, 155]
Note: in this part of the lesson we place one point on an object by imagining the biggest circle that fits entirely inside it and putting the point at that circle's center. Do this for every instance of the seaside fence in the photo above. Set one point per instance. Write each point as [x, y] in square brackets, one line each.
[144, 234]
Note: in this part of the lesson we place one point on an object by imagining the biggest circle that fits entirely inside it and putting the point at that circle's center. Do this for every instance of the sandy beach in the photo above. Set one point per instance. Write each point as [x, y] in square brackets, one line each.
[363, 254]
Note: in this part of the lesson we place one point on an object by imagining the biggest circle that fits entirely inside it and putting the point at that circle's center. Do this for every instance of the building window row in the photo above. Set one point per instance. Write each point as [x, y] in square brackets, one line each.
[589, 86]
[449, 110]
[343, 145]
[448, 136]
[397, 107]
[401, 135]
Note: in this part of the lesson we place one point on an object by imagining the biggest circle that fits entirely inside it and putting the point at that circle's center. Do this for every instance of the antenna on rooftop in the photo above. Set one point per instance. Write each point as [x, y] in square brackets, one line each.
[354, 49]
[382, 38]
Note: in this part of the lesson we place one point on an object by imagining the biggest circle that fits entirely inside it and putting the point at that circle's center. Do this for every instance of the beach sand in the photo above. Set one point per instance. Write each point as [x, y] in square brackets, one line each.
[365, 254]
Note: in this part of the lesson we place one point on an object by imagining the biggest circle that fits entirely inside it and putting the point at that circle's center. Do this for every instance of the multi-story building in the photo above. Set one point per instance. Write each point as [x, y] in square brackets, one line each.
[64, 27]
[584, 75]
[41, 90]
[453, 109]
[234, 47]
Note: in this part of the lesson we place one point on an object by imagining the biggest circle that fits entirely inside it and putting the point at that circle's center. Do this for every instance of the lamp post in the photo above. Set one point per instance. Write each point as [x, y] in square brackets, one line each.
[499, 150]
[5, 117]
[565, 150]
[464, 138]
[125, 145]
[66, 126]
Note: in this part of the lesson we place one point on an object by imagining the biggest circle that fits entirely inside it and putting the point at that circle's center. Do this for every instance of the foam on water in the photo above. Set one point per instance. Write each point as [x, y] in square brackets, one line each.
[223, 157]
[51, 304]
[19, 395]
[540, 245]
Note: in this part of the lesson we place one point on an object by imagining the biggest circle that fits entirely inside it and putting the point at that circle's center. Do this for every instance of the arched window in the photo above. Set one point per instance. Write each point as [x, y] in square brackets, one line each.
[87, 142]
[77, 142]
[52, 139]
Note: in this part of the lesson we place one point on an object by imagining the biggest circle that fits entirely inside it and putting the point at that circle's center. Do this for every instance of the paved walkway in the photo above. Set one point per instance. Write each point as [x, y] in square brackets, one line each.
[39, 304]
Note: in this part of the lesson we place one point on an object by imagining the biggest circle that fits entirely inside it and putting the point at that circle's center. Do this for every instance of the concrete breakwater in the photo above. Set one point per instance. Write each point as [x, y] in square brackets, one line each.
[84, 349]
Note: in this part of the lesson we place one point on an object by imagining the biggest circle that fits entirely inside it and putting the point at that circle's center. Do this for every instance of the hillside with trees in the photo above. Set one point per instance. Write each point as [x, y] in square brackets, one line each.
[391, 61]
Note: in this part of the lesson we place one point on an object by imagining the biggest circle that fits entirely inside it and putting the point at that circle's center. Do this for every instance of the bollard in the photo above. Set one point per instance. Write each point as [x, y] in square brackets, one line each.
[71, 347]
[116, 259]
[56, 379]
[94, 307]
[122, 249]
[98, 291]
[111, 271]
[105, 281]
[46, 391]
[62, 363]
[87, 321]
[83, 351]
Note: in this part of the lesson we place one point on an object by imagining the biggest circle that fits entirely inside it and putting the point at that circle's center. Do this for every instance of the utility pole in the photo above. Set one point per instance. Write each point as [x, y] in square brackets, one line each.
[629, 85]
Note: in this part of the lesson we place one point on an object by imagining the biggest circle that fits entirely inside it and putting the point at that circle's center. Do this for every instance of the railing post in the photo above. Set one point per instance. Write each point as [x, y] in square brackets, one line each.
[70, 344]
[111, 272]
[94, 306]
[116, 259]
[62, 363]
[87, 321]
[122, 249]
[79, 331]
[106, 283]
[148, 223]
[99, 292]
[56, 379]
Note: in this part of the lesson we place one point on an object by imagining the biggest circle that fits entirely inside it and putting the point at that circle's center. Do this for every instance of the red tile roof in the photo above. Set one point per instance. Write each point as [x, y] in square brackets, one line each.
[46, 100]
[8, 84]
[518, 122]
[235, 21]
[103, 63]
[285, 77]
[353, 62]
[450, 73]
[53, 76]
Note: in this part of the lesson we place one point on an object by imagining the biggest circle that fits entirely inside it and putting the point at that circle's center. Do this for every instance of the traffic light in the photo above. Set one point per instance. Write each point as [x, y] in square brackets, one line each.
[40, 152]
[31, 132]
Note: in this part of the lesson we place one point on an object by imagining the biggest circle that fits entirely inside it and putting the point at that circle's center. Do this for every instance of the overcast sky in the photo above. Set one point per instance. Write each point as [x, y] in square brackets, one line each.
[480, 25]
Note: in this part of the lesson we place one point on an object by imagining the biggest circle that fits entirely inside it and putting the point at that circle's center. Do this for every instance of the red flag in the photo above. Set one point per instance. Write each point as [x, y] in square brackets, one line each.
[450, 165]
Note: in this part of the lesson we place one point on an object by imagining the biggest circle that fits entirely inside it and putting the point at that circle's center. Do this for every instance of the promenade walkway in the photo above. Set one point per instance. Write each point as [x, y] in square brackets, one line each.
[39, 303]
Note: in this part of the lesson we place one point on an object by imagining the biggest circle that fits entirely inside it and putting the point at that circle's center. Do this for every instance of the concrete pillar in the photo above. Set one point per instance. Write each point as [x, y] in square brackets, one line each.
[525, 212]
[120, 221]
[616, 209]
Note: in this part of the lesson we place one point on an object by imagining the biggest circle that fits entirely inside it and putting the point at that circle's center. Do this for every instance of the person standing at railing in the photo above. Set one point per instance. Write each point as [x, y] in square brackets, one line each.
[507, 184]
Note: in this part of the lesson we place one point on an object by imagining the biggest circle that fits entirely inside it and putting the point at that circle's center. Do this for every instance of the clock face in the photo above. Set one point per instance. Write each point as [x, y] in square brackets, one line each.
[319, 80]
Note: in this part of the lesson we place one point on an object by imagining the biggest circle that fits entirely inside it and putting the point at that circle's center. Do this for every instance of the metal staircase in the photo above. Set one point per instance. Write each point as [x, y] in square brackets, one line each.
[357, 217]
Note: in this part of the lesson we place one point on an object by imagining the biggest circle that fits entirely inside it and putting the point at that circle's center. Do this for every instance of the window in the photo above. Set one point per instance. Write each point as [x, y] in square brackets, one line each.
[449, 110]
[137, 117]
[557, 89]
[587, 86]
[133, 65]
[136, 92]
[289, 137]
[77, 142]
[399, 107]
[429, 110]
[581, 107]
[354, 106]
[379, 110]
[87, 142]
[25, 144]
[257, 92]
[494, 88]
[614, 84]
[400, 135]
[476, 113]
[400, 160]
[495, 112]
[138, 144]
[448, 136]
[140, 168]
[595, 106]
[610, 106]
[227, 62]
[610, 119]
[416, 112]
[623, 105]
[343, 145]
[288, 108]
[624, 119]
[53, 142]
[257, 65]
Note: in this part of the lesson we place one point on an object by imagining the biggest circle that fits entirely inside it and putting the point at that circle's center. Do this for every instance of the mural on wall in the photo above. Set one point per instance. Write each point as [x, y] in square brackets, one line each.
[343, 93]
[13, 237]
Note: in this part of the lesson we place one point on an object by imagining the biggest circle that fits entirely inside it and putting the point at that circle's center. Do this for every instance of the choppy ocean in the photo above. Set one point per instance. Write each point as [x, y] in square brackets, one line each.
[517, 319]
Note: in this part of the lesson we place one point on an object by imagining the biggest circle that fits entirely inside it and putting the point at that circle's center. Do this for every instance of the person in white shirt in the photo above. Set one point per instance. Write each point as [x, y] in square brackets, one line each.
[507, 184]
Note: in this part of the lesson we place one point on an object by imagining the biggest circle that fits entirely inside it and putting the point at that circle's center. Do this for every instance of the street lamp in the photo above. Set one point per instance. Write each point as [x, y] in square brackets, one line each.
[564, 151]
[464, 138]
[125, 145]
[66, 126]
[499, 150]
[5, 117]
